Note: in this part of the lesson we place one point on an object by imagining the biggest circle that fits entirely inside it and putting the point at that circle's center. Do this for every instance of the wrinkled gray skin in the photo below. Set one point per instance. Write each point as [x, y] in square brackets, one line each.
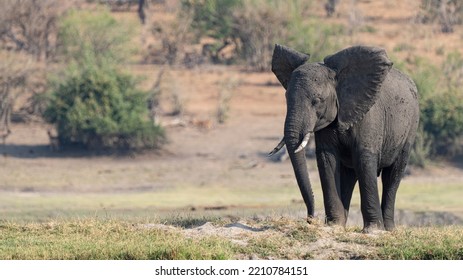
[364, 115]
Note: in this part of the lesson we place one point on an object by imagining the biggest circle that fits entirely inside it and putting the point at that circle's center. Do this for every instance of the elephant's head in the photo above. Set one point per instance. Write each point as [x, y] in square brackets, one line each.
[342, 89]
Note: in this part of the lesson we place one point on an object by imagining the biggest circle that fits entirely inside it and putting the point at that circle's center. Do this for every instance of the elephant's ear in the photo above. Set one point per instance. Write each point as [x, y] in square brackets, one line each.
[284, 61]
[360, 72]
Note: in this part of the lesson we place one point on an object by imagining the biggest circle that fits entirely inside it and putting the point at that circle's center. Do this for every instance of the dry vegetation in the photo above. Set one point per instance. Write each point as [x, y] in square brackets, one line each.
[271, 238]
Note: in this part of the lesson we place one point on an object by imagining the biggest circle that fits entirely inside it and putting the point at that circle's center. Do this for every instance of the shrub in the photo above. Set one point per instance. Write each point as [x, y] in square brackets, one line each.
[442, 113]
[212, 17]
[452, 70]
[426, 77]
[442, 117]
[226, 91]
[441, 105]
[175, 37]
[31, 26]
[258, 25]
[314, 37]
[254, 26]
[96, 34]
[93, 104]
[99, 107]
[446, 12]
[15, 72]
[421, 149]
[177, 98]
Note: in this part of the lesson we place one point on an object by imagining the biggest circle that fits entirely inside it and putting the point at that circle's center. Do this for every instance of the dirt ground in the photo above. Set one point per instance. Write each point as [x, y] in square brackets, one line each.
[199, 149]
[200, 153]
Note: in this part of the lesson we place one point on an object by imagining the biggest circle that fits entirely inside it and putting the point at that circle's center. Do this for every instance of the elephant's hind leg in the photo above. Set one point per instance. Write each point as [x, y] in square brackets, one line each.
[391, 177]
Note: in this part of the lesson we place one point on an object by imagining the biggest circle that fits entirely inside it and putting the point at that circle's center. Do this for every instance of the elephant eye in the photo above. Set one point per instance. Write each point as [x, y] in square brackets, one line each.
[316, 101]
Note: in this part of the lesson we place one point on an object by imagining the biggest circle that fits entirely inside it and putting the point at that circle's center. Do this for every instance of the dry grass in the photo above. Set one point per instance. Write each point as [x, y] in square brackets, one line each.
[270, 238]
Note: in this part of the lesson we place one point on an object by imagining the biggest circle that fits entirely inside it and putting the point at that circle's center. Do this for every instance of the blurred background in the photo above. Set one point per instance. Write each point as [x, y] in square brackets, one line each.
[143, 109]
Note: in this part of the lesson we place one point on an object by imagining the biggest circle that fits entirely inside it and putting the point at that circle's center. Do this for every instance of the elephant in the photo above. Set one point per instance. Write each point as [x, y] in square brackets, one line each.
[364, 115]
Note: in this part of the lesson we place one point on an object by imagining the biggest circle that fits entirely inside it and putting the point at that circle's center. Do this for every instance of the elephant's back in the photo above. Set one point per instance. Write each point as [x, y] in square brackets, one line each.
[399, 98]
[400, 87]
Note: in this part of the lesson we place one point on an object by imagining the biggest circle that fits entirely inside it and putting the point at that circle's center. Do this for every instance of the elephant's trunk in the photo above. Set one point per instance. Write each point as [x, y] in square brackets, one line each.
[294, 133]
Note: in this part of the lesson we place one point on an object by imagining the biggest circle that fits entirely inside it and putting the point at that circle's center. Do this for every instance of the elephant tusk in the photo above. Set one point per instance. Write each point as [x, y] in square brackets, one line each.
[304, 143]
[277, 148]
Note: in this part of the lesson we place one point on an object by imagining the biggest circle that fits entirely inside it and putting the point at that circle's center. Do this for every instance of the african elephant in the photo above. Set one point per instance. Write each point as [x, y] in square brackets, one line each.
[364, 115]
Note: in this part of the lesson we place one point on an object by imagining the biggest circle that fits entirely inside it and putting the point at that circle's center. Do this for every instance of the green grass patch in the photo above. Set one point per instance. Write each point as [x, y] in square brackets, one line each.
[216, 239]
[93, 239]
[423, 244]
[430, 196]
[427, 243]
[368, 29]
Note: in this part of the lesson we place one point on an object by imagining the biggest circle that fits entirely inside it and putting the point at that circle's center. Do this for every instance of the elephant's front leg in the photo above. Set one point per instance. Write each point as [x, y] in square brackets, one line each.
[348, 180]
[329, 169]
[366, 169]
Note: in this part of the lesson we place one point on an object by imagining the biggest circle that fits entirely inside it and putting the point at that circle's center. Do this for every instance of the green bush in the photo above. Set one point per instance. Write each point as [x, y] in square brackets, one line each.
[99, 107]
[95, 34]
[212, 17]
[421, 149]
[92, 103]
[427, 78]
[452, 70]
[315, 37]
[442, 112]
[441, 106]
[442, 117]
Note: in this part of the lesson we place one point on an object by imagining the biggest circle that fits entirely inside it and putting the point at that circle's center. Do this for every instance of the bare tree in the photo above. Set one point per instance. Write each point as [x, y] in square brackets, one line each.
[175, 35]
[153, 99]
[446, 16]
[330, 7]
[141, 11]
[14, 72]
[31, 25]
[445, 12]
[257, 28]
